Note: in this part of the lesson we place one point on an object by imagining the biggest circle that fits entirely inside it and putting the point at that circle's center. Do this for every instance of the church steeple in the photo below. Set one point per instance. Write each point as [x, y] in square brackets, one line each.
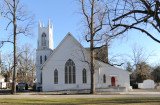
[48, 22]
[45, 37]
[39, 24]
[51, 25]
[44, 48]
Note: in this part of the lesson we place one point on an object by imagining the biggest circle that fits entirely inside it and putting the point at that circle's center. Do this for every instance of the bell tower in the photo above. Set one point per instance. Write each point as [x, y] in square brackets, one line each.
[45, 36]
[44, 48]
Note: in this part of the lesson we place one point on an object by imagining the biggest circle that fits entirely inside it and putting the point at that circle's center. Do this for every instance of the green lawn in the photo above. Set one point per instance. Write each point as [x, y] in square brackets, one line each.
[80, 101]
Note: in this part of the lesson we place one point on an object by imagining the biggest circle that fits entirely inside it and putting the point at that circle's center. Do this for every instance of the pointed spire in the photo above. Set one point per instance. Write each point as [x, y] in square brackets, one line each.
[43, 25]
[39, 23]
[48, 22]
[51, 25]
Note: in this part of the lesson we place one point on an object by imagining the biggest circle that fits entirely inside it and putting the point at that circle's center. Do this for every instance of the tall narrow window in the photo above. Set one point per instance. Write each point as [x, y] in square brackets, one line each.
[74, 75]
[41, 78]
[84, 76]
[56, 76]
[66, 75]
[43, 39]
[70, 77]
[45, 58]
[104, 78]
[40, 59]
[70, 72]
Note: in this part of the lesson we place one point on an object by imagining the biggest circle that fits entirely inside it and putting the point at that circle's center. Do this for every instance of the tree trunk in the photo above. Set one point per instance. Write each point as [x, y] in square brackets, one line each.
[92, 91]
[15, 52]
[32, 78]
[92, 52]
[26, 66]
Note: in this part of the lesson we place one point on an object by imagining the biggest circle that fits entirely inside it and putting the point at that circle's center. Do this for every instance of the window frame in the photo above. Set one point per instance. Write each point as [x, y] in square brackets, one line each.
[40, 59]
[43, 40]
[41, 78]
[55, 76]
[70, 72]
[84, 76]
[104, 78]
[45, 58]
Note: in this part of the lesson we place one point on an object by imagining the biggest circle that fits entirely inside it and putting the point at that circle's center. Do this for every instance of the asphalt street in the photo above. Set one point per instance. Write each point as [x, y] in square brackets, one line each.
[78, 96]
[134, 93]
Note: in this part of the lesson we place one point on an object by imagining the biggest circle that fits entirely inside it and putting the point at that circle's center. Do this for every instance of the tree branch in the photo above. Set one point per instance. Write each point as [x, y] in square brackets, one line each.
[2, 42]
[134, 11]
[8, 4]
[8, 25]
[84, 12]
[87, 39]
[140, 29]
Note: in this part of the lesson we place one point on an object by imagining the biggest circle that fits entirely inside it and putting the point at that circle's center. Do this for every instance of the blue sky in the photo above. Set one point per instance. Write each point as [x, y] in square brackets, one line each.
[65, 16]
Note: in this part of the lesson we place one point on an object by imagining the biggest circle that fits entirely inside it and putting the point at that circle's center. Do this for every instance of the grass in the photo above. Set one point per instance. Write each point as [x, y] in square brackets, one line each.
[80, 101]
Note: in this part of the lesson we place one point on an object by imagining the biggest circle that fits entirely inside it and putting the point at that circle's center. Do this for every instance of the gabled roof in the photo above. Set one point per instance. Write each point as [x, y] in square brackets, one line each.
[101, 63]
[54, 51]
[105, 64]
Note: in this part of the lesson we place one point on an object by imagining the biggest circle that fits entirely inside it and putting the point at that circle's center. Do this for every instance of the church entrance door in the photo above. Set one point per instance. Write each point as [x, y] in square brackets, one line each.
[113, 81]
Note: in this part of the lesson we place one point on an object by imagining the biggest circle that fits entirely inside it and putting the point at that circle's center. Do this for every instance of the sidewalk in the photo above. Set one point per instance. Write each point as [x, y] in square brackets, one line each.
[134, 93]
[99, 93]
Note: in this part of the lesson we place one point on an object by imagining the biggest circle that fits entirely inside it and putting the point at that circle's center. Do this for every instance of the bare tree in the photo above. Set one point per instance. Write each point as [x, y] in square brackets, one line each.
[26, 64]
[142, 15]
[138, 64]
[129, 67]
[143, 72]
[12, 10]
[138, 56]
[95, 14]
[8, 61]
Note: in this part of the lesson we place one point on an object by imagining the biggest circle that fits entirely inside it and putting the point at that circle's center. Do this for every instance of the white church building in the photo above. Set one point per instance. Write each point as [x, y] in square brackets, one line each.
[65, 69]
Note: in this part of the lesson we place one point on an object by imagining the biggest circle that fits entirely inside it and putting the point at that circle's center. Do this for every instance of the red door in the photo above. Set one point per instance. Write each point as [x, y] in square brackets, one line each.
[113, 81]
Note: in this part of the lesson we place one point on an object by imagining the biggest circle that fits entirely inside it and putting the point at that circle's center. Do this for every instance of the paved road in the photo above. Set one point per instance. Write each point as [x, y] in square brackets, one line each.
[74, 96]
[78, 96]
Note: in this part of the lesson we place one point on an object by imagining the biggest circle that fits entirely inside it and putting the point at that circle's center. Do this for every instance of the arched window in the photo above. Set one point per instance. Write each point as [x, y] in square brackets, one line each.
[43, 39]
[70, 72]
[84, 74]
[45, 58]
[40, 59]
[104, 78]
[56, 76]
